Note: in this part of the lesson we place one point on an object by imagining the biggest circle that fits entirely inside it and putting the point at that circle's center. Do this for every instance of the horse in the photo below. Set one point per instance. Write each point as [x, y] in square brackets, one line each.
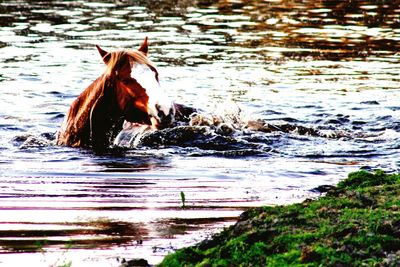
[128, 90]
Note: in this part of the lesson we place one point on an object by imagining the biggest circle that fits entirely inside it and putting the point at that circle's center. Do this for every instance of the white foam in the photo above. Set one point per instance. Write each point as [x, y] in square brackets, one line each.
[131, 134]
[388, 134]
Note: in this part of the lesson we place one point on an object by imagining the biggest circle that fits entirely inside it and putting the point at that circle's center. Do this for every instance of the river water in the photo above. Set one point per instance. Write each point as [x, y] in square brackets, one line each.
[308, 90]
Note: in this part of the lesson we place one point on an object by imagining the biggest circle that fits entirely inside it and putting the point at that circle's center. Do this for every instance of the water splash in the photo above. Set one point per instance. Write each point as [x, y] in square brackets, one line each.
[28, 141]
[227, 129]
[132, 134]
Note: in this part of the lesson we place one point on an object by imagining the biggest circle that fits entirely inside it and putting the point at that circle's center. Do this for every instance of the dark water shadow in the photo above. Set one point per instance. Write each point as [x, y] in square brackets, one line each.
[79, 235]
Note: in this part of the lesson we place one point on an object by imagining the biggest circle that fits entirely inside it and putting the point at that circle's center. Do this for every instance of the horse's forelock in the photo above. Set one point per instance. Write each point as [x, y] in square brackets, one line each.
[140, 58]
[115, 60]
[134, 57]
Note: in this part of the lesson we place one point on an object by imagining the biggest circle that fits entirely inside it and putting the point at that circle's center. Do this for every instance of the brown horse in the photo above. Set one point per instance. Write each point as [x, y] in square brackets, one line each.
[127, 90]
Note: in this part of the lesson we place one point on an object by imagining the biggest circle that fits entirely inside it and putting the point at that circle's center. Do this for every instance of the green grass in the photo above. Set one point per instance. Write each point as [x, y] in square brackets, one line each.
[355, 224]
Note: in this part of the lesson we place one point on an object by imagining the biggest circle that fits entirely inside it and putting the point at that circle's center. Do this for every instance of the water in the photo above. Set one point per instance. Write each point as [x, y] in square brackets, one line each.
[329, 68]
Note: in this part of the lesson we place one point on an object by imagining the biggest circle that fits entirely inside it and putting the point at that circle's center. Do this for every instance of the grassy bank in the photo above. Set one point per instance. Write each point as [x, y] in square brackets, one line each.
[355, 224]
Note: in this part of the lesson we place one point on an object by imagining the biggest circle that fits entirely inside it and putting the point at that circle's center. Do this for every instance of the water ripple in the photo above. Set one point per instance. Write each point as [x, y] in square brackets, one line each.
[315, 93]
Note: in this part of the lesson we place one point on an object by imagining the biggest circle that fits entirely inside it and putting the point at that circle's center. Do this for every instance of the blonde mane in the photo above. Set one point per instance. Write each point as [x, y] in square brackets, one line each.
[134, 56]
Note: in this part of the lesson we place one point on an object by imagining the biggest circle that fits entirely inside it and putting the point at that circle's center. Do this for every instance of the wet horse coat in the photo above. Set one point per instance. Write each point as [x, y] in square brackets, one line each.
[97, 114]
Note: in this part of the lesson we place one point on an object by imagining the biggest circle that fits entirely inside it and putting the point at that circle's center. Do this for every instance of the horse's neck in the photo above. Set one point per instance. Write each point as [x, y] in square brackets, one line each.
[76, 127]
[91, 116]
[86, 100]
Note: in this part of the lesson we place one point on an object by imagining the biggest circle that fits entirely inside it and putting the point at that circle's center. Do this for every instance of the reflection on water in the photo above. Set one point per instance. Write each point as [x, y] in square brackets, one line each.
[335, 30]
[314, 87]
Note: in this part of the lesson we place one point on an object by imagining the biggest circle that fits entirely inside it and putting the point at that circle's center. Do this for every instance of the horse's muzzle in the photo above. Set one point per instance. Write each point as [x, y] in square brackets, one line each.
[165, 120]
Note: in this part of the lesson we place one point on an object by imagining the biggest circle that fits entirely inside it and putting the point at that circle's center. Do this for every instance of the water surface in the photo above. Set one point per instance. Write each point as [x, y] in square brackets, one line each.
[326, 74]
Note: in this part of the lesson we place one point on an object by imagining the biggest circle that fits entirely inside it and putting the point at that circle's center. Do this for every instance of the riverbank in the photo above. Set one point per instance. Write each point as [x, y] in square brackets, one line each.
[357, 223]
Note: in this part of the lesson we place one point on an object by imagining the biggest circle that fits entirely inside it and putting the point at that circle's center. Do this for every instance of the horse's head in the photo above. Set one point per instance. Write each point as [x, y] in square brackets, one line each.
[134, 78]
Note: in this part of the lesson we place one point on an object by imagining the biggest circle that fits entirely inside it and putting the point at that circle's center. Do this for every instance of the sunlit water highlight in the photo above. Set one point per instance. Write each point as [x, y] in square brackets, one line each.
[291, 96]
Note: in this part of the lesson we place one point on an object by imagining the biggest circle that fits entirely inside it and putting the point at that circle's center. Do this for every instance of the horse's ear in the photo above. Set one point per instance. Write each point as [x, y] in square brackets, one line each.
[144, 48]
[104, 54]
